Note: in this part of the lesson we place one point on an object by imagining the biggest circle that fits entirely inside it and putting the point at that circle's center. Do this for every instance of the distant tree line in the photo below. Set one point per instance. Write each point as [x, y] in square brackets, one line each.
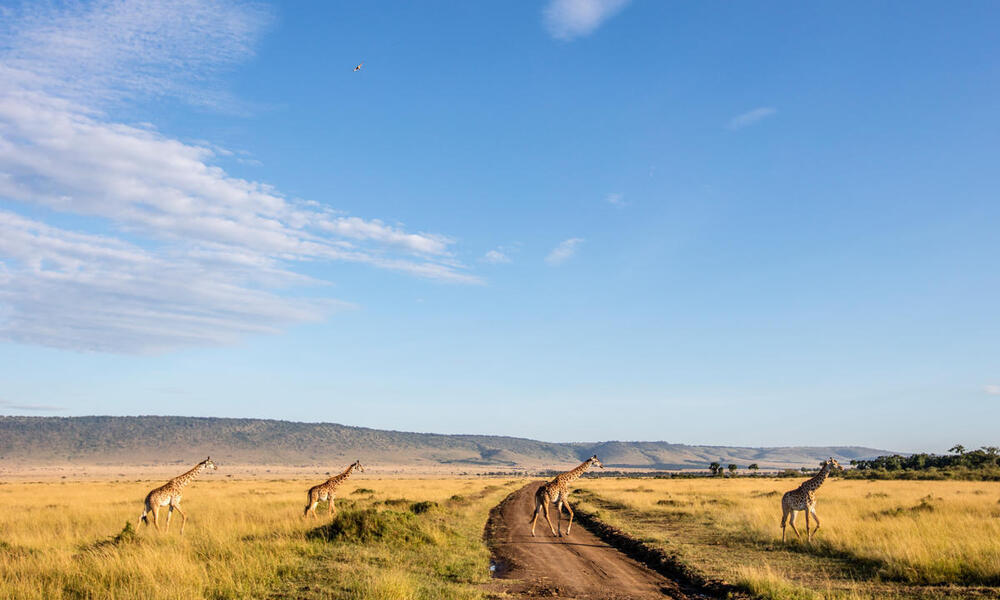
[979, 465]
[982, 464]
[717, 469]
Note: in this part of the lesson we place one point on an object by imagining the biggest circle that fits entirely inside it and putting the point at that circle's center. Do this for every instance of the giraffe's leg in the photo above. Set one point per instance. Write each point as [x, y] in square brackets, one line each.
[559, 507]
[784, 519]
[791, 521]
[545, 507]
[534, 518]
[183, 516]
[330, 509]
[156, 517]
[808, 535]
[569, 509]
[142, 517]
[170, 513]
[812, 509]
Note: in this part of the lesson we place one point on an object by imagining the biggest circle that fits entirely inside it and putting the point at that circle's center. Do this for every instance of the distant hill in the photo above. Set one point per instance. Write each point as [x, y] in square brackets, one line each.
[154, 440]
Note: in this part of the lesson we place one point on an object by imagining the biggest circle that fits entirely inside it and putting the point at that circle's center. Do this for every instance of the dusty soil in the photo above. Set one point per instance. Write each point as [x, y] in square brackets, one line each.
[576, 566]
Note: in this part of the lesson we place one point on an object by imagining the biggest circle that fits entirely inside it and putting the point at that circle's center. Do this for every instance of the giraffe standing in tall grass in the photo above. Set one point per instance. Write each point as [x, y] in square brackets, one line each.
[328, 489]
[557, 492]
[804, 498]
[169, 494]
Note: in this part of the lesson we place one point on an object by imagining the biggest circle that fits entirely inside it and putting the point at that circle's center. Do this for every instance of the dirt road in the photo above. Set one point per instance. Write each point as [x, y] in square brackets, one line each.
[578, 566]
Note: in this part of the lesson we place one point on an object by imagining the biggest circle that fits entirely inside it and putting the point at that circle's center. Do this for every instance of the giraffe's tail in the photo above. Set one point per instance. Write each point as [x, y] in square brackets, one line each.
[147, 507]
[534, 512]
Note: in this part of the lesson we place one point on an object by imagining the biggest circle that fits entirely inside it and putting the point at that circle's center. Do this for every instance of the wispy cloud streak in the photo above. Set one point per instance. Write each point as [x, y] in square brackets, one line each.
[616, 199]
[751, 116]
[564, 251]
[569, 19]
[107, 50]
[4, 404]
[496, 257]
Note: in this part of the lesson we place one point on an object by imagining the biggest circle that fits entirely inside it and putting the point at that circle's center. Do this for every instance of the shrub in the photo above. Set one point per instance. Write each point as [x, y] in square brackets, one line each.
[419, 508]
[371, 525]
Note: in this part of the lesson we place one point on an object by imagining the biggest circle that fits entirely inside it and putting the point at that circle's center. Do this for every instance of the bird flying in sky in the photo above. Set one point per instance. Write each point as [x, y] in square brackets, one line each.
[358, 68]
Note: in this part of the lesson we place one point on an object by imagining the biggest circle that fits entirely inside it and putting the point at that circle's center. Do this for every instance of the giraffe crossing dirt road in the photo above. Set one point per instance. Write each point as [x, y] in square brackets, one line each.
[582, 567]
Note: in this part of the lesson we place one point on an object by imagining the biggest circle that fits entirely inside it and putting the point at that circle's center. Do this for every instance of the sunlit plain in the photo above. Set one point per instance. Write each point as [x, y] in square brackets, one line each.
[877, 538]
[244, 539]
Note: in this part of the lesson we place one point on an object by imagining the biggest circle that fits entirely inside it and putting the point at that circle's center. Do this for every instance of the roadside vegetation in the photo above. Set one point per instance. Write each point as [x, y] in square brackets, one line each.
[960, 465]
[971, 465]
[879, 539]
[396, 539]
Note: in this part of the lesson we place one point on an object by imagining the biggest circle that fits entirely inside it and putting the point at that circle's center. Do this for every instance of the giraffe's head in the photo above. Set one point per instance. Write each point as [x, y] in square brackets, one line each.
[209, 464]
[594, 461]
[834, 464]
[357, 465]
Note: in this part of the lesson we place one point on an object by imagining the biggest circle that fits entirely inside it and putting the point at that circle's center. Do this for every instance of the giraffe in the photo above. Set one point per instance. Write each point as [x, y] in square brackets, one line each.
[556, 492]
[804, 498]
[328, 489]
[169, 494]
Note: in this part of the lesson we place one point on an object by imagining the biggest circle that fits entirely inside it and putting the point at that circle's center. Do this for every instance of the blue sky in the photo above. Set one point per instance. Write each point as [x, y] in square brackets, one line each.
[750, 223]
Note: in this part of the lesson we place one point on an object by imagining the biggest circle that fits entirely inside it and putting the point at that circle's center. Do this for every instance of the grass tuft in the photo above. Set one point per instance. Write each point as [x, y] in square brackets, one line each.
[372, 525]
[771, 494]
[419, 508]
[127, 536]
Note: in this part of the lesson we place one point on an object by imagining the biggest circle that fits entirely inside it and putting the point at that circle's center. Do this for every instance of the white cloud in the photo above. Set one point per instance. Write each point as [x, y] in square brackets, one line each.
[4, 404]
[96, 293]
[209, 257]
[110, 49]
[750, 117]
[564, 251]
[616, 199]
[992, 389]
[496, 257]
[568, 19]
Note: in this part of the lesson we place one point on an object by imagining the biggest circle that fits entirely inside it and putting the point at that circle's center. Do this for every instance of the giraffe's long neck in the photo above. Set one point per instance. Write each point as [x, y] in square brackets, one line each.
[182, 480]
[342, 476]
[574, 474]
[818, 479]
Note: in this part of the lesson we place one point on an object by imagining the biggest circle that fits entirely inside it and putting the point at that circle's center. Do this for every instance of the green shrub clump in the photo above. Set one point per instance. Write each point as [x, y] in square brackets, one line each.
[373, 526]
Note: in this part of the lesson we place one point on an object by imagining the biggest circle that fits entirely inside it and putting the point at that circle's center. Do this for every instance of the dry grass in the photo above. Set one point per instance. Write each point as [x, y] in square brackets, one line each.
[878, 539]
[244, 539]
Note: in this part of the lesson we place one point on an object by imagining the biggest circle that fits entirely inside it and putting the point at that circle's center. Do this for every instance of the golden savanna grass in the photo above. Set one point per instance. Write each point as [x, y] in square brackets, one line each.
[878, 538]
[247, 539]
